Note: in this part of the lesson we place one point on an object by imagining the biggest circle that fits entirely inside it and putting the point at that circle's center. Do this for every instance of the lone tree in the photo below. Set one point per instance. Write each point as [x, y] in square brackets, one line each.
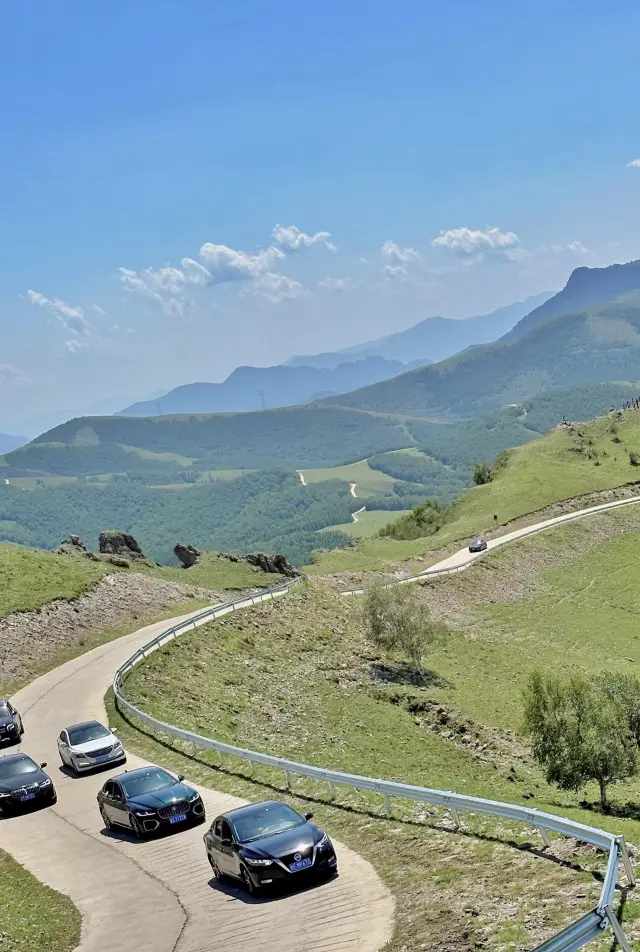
[580, 732]
[398, 621]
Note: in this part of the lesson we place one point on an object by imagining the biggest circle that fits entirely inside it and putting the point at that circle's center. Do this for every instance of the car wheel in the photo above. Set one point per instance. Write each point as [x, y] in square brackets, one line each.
[108, 825]
[54, 798]
[220, 877]
[247, 881]
[137, 828]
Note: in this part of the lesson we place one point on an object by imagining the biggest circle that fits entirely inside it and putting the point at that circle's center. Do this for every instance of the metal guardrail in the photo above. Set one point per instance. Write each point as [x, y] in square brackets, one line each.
[585, 929]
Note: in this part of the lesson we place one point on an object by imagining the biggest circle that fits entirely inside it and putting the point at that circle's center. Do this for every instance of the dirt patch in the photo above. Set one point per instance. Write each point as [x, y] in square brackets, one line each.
[29, 639]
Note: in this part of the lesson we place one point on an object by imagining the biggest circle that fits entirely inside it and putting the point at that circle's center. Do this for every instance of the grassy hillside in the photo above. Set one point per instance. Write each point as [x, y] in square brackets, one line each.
[567, 600]
[588, 346]
[35, 918]
[568, 462]
[292, 438]
[369, 523]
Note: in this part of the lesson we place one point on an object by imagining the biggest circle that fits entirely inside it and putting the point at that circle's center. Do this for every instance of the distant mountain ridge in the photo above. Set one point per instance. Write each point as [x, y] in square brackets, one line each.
[9, 442]
[251, 388]
[574, 338]
[435, 338]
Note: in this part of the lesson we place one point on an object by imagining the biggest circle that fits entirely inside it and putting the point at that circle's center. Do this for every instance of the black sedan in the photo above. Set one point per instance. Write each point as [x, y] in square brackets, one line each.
[11, 727]
[477, 545]
[268, 843]
[149, 800]
[23, 783]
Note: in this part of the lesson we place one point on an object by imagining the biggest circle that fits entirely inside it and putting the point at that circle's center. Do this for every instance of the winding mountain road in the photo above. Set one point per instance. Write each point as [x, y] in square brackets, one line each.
[158, 896]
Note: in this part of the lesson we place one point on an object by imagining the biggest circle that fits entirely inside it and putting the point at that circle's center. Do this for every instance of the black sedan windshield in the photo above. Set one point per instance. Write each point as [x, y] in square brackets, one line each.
[84, 732]
[266, 820]
[4, 711]
[16, 767]
[147, 782]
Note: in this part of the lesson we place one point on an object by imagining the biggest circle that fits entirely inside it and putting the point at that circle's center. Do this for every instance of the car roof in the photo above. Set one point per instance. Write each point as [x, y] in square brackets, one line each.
[15, 758]
[140, 772]
[85, 724]
[247, 810]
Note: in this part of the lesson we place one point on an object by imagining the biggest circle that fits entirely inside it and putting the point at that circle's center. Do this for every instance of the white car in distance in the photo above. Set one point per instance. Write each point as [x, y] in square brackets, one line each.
[89, 745]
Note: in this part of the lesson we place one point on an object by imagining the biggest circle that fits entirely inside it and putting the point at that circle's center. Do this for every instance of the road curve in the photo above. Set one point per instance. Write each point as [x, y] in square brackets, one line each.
[158, 896]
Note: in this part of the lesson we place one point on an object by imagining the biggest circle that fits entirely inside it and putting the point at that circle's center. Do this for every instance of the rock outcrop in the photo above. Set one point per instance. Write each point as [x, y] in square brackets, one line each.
[187, 554]
[274, 564]
[72, 546]
[120, 544]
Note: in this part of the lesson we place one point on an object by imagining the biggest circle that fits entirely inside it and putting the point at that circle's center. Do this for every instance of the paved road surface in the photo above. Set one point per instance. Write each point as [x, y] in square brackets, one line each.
[158, 896]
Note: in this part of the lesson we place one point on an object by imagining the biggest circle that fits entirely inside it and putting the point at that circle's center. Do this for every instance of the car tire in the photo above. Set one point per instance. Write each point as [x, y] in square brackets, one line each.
[136, 827]
[217, 875]
[108, 825]
[54, 798]
[247, 881]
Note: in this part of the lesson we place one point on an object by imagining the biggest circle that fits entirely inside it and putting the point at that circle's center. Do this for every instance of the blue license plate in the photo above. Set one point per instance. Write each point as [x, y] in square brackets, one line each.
[103, 759]
[28, 796]
[178, 818]
[301, 864]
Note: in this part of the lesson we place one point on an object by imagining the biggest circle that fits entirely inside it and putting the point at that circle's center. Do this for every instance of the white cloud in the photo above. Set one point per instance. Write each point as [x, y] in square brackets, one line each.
[72, 317]
[12, 374]
[225, 264]
[99, 310]
[293, 239]
[398, 259]
[338, 284]
[470, 241]
[73, 346]
[633, 164]
[573, 247]
[277, 287]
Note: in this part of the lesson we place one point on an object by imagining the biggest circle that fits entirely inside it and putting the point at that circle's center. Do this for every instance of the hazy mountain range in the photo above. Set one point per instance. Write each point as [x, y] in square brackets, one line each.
[306, 379]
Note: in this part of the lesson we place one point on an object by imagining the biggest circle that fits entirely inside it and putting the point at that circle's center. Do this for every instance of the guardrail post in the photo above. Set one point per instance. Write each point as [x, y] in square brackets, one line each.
[288, 777]
[250, 762]
[545, 836]
[387, 803]
[332, 790]
[454, 814]
[617, 929]
[626, 861]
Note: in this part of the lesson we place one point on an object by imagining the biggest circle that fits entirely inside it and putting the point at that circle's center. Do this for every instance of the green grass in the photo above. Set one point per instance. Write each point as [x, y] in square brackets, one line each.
[369, 481]
[537, 475]
[298, 678]
[369, 522]
[29, 578]
[213, 571]
[34, 917]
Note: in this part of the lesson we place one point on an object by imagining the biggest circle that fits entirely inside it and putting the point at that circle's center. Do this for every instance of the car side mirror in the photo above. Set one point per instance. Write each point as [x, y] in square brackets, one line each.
[180, 777]
[44, 764]
[226, 841]
[308, 816]
[114, 730]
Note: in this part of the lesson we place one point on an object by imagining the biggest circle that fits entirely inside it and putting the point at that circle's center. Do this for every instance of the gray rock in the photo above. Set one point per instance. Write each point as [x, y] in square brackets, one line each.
[120, 543]
[187, 555]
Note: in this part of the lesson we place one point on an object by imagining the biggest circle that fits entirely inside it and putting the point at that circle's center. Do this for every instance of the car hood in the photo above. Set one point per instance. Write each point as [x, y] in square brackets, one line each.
[8, 784]
[5, 721]
[289, 841]
[163, 797]
[98, 744]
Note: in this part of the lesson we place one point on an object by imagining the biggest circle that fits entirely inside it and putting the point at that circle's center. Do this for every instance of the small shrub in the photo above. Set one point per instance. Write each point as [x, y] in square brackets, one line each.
[397, 620]
[616, 439]
[481, 472]
[634, 458]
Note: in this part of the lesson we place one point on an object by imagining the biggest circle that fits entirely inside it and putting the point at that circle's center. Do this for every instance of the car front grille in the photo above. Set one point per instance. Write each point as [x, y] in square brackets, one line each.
[180, 806]
[102, 752]
[32, 788]
[306, 853]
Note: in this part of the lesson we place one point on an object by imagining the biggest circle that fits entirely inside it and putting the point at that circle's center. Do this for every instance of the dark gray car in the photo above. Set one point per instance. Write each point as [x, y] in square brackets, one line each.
[11, 726]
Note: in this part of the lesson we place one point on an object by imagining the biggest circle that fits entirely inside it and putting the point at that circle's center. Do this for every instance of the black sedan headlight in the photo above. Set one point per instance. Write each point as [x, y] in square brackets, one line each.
[257, 861]
[324, 843]
[142, 812]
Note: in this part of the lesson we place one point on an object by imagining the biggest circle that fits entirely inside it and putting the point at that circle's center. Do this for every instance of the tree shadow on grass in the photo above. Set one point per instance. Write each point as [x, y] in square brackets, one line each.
[402, 672]
[622, 811]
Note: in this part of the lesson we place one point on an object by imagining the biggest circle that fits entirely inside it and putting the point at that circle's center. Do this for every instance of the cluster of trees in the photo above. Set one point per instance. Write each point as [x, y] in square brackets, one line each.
[584, 728]
[436, 479]
[397, 621]
[423, 520]
[267, 510]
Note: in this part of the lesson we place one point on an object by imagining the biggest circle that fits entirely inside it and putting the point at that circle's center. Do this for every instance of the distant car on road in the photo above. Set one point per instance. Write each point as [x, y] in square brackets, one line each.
[268, 843]
[88, 745]
[477, 545]
[147, 800]
[23, 783]
[11, 727]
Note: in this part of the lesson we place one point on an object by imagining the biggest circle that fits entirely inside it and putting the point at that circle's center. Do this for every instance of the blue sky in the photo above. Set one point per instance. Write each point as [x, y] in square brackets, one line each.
[422, 158]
